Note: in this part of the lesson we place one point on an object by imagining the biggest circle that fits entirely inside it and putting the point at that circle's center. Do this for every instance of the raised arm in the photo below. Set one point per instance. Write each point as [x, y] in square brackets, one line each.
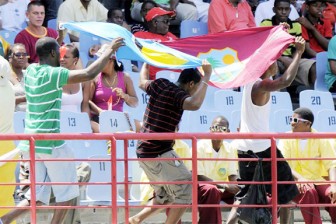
[89, 73]
[144, 76]
[268, 85]
[194, 102]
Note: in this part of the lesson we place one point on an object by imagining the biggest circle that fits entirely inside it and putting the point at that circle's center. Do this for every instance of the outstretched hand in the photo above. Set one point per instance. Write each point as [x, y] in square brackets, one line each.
[207, 68]
[117, 43]
[300, 44]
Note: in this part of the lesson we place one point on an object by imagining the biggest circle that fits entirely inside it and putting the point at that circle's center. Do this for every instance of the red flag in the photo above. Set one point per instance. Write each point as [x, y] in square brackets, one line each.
[237, 57]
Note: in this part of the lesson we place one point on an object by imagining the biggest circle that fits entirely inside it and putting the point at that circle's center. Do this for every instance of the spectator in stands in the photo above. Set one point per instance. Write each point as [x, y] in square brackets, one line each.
[157, 20]
[255, 113]
[7, 102]
[18, 59]
[210, 170]
[264, 11]
[13, 15]
[164, 111]
[34, 31]
[307, 70]
[51, 9]
[146, 6]
[311, 170]
[227, 15]
[330, 76]
[116, 16]
[75, 97]
[315, 30]
[52, 78]
[4, 47]
[110, 89]
[185, 9]
[81, 11]
[329, 13]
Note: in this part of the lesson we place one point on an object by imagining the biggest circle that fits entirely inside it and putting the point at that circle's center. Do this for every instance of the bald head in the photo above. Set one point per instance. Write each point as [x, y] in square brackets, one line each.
[45, 46]
[221, 121]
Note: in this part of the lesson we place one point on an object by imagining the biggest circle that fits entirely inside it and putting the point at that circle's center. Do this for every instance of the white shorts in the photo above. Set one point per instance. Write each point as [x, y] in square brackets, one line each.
[55, 171]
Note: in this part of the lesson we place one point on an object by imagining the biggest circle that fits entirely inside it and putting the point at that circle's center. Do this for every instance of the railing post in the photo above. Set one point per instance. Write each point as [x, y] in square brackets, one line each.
[274, 180]
[114, 188]
[194, 206]
[32, 173]
[126, 175]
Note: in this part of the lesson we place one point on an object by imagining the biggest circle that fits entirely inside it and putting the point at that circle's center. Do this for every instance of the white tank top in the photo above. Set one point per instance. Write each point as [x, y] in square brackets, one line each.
[72, 102]
[254, 119]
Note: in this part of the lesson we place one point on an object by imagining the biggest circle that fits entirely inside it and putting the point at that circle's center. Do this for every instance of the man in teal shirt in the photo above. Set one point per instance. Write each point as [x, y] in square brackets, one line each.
[43, 86]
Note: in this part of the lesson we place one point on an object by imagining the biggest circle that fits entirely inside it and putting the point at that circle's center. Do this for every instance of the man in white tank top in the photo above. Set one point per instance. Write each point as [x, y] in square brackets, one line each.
[255, 112]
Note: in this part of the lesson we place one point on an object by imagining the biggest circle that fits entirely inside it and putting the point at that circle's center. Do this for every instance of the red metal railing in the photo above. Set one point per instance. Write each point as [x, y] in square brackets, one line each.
[158, 136]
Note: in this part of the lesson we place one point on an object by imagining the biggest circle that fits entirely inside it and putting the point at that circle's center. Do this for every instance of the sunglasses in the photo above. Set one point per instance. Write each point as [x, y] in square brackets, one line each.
[19, 55]
[218, 128]
[296, 120]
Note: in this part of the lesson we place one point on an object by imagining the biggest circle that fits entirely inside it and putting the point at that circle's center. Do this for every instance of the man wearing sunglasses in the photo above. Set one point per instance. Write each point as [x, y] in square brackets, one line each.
[311, 170]
[255, 116]
[216, 170]
[157, 21]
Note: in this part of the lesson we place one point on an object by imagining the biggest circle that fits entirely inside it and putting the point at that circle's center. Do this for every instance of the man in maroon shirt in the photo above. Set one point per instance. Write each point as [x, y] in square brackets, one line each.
[34, 31]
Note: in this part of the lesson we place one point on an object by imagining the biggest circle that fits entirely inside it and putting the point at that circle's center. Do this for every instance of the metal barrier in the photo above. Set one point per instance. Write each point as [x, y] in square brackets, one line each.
[159, 136]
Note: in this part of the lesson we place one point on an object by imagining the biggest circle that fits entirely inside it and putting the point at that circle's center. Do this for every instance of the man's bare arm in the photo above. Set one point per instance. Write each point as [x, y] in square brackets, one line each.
[89, 73]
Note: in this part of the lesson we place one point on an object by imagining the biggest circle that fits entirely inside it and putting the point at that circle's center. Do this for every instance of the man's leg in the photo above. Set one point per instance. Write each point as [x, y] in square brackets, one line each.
[311, 215]
[209, 194]
[233, 218]
[323, 191]
[146, 212]
[59, 214]
[16, 213]
[285, 215]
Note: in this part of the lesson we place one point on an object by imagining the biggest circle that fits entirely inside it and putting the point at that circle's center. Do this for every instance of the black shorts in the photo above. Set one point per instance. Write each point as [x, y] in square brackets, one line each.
[286, 192]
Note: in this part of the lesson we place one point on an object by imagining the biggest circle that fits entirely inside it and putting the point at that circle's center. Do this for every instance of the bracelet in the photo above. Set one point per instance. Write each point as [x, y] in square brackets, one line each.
[205, 83]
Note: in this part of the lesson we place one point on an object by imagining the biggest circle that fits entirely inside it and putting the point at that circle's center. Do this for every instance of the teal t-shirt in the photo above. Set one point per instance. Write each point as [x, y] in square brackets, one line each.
[43, 86]
[329, 77]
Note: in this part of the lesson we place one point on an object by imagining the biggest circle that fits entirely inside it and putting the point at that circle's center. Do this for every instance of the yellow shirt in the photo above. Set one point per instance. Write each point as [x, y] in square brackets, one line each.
[216, 170]
[314, 148]
[183, 151]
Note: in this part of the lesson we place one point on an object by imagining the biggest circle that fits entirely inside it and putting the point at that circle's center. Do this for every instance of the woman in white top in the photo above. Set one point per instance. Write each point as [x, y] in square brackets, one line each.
[75, 97]
[18, 59]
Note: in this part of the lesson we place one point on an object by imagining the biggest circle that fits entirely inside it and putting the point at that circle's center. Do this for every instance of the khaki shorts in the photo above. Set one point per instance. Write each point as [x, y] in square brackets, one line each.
[169, 170]
[302, 76]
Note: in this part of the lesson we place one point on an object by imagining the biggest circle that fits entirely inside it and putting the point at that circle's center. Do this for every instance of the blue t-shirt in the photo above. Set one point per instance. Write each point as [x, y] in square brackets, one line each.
[329, 77]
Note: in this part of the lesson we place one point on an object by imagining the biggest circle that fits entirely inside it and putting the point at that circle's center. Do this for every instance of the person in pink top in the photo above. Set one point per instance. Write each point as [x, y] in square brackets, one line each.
[227, 15]
[34, 31]
[110, 89]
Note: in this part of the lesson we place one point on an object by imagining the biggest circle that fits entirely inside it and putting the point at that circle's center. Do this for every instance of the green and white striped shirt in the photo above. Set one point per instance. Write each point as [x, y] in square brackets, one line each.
[43, 86]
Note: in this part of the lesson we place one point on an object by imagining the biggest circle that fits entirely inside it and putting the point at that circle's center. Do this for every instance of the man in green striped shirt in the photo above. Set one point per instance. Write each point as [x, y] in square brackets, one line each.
[43, 86]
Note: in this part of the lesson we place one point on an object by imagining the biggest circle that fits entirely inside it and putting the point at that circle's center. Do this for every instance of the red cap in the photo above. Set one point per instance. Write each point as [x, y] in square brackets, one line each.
[157, 11]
